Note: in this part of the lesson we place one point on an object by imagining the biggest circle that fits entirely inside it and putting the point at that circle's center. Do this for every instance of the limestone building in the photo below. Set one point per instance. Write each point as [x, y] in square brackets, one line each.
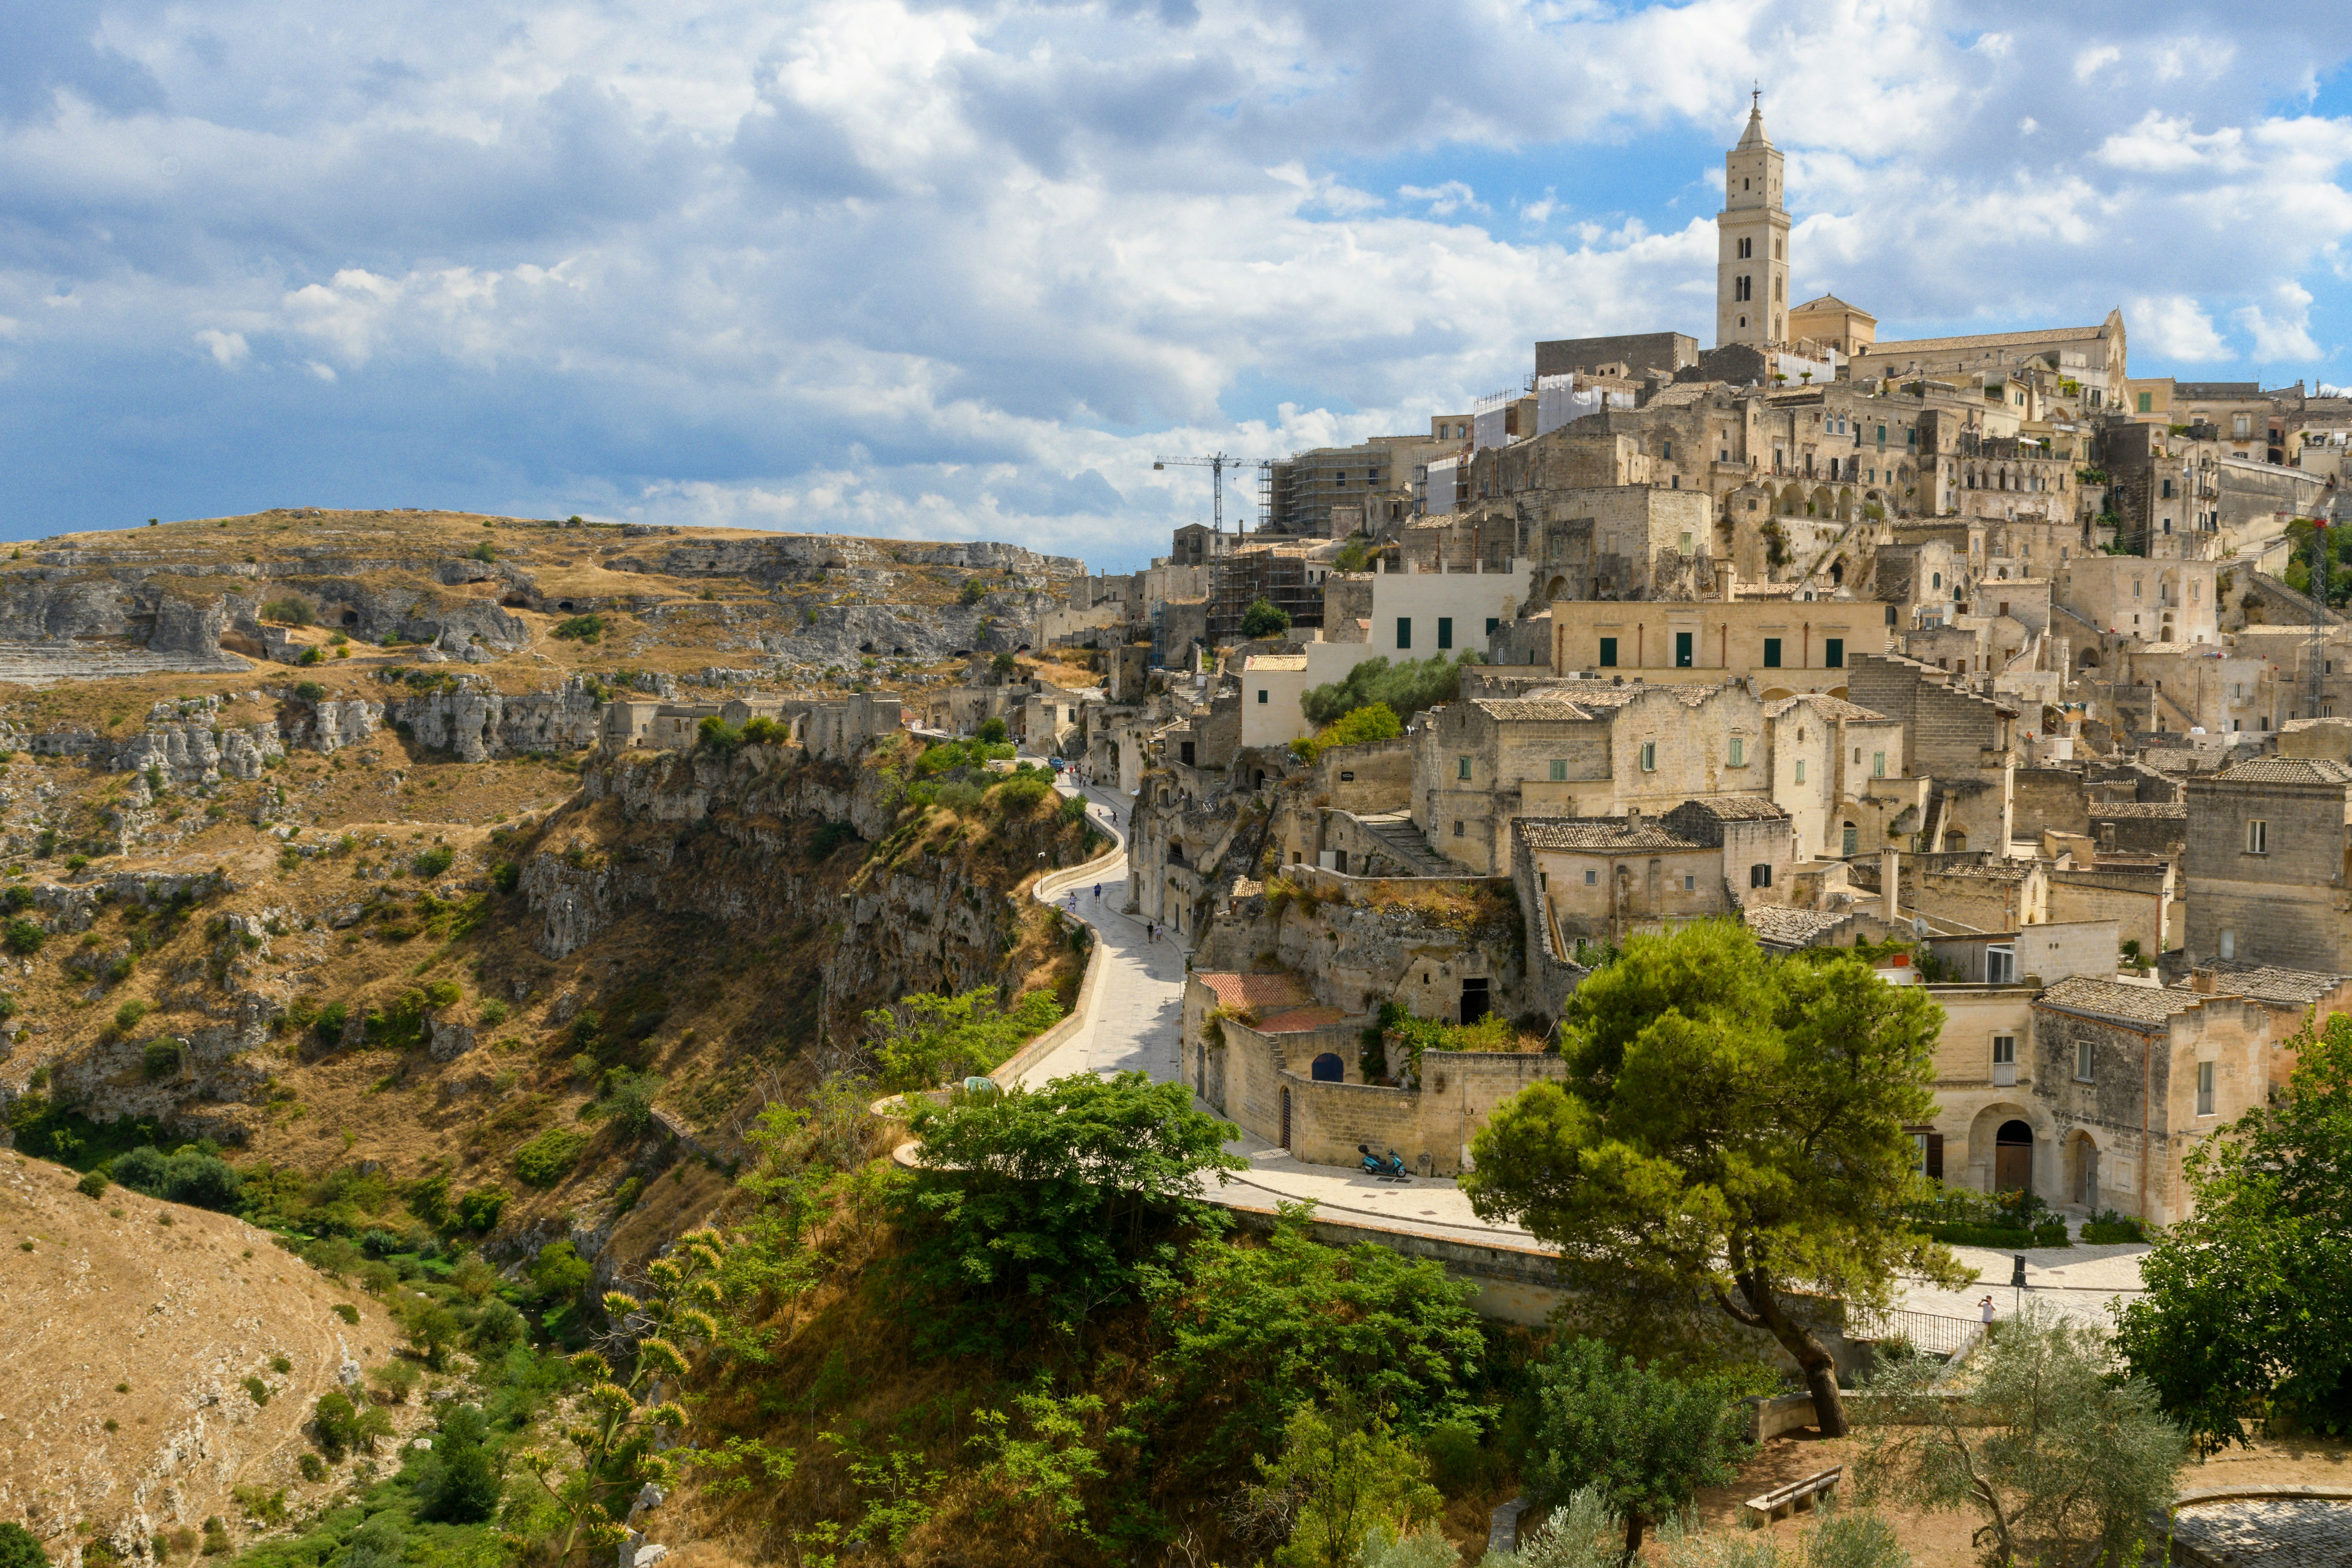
[1751, 267]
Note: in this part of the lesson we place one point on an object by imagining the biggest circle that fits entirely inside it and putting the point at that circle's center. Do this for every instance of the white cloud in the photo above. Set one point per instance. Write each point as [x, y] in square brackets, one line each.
[228, 349]
[897, 265]
[2176, 327]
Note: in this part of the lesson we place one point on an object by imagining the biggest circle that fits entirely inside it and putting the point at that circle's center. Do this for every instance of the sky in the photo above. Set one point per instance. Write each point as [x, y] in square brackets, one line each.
[929, 270]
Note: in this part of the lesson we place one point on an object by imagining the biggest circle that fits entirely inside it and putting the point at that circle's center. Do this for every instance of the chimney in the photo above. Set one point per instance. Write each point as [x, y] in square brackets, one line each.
[2201, 982]
[1633, 818]
[1728, 575]
[1890, 885]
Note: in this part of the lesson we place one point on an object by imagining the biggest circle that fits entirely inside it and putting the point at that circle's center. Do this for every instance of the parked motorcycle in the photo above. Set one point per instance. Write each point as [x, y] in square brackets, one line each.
[1391, 1169]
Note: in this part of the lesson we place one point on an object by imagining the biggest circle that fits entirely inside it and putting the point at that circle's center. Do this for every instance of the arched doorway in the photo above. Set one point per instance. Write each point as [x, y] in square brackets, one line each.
[2013, 1156]
[1327, 1068]
[2082, 1171]
[1849, 840]
[1955, 842]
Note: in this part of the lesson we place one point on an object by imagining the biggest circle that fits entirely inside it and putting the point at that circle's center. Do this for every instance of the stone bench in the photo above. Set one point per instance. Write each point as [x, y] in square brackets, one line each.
[1793, 1499]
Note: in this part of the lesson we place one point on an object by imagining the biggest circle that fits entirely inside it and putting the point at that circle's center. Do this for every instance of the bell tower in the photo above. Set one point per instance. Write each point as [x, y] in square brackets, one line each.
[1751, 269]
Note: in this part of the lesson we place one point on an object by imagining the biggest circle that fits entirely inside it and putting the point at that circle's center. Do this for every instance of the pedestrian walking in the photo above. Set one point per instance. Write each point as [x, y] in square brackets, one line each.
[1985, 1310]
[1098, 892]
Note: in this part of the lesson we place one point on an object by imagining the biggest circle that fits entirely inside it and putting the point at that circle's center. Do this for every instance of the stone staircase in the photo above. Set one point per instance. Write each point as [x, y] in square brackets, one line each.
[1401, 840]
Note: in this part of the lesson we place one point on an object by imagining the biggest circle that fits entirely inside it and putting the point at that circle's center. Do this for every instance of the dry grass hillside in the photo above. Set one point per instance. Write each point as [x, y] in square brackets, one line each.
[135, 1331]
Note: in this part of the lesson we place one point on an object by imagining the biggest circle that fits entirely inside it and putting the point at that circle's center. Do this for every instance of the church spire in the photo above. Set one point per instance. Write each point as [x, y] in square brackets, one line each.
[1755, 136]
[1751, 299]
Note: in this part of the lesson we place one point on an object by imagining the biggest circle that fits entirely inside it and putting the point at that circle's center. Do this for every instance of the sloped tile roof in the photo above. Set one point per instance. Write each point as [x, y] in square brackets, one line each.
[1603, 834]
[2269, 983]
[2112, 999]
[2288, 770]
[1786, 927]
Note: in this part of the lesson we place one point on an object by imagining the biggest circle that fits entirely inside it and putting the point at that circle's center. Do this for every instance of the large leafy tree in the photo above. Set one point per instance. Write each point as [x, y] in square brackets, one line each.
[1647, 1440]
[1052, 1203]
[2248, 1302]
[1729, 1128]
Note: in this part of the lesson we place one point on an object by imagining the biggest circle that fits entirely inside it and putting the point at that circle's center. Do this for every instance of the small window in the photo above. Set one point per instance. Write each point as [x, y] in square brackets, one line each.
[1739, 758]
[1801, 770]
[1850, 840]
[2147, 403]
[1261, 694]
[1833, 653]
[1461, 767]
[1878, 764]
[1649, 756]
[2258, 837]
[1608, 653]
[1760, 875]
[1682, 650]
[1935, 580]
[1560, 770]
[2229, 943]
[1457, 830]
[1687, 542]
[1491, 622]
[1690, 884]
[1771, 653]
[2001, 966]
[2004, 1050]
[1444, 631]
[1404, 632]
[1592, 877]
[2083, 1062]
[2204, 1088]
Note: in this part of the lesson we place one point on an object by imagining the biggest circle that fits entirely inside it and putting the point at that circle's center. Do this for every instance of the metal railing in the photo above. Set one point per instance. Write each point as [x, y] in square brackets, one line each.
[1927, 1332]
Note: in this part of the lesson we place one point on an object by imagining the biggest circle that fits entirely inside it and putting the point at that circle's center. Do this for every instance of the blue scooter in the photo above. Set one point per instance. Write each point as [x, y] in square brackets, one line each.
[1389, 1170]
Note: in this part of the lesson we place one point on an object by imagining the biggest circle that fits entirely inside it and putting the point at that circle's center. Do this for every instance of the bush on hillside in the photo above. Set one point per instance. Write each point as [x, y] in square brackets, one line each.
[23, 938]
[581, 628]
[549, 1158]
[1264, 619]
[1357, 727]
[292, 610]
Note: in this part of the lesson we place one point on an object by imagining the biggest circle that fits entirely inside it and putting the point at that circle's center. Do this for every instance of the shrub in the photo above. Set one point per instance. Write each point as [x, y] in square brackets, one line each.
[127, 1016]
[499, 1327]
[1405, 687]
[92, 1185]
[434, 861]
[1264, 618]
[23, 938]
[18, 898]
[581, 628]
[630, 1097]
[161, 1058]
[928, 1039]
[549, 1158]
[140, 1169]
[289, 611]
[396, 1380]
[493, 1013]
[463, 1484]
[257, 1391]
[20, 1548]
[313, 656]
[1375, 721]
[506, 876]
[994, 732]
[1021, 795]
[479, 1210]
[972, 592]
[313, 1468]
[716, 735]
[309, 691]
[348, 1312]
[2107, 1226]
[342, 1427]
[559, 1273]
[484, 552]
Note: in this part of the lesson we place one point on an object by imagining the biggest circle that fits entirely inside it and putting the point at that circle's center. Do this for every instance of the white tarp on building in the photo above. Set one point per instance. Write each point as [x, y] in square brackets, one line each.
[1488, 417]
[1558, 403]
[1444, 475]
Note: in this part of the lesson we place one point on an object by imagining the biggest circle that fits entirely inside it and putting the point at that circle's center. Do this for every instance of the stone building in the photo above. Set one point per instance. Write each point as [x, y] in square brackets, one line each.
[1603, 880]
[2268, 849]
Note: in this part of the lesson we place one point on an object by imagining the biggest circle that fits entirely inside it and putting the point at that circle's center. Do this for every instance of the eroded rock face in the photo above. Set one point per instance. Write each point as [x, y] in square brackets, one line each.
[194, 750]
[736, 854]
[57, 625]
[477, 721]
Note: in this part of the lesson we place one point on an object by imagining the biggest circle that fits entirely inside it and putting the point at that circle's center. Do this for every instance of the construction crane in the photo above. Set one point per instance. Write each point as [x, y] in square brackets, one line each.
[1216, 463]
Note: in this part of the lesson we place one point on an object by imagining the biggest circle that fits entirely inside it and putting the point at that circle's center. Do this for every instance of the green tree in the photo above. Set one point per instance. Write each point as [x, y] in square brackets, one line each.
[342, 1427]
[1647, 1440]
[20, 1548]
[1264, 619]
[559, 1273]
[465, 1479]
[2248, 1302]
[1340, 1472]
[2048, 1447]
[972, 592]
[1051, 1202]
[925, 1041]
[1259, 1328]
[431, 1329]
[1407, 685]
[993, 732]
[1729, 1130]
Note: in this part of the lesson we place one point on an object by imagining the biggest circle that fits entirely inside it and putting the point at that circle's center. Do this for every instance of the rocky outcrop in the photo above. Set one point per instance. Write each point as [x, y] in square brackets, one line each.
[475, 720]
[58, 626]
[736, 853]
[193, 752]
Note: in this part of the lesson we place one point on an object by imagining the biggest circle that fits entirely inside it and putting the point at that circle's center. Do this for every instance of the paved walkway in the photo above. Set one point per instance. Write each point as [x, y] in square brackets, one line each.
[1136, 1025]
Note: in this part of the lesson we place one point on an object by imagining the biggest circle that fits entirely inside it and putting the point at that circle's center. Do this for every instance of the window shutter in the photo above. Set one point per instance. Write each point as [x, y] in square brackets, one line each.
[1936, 1155]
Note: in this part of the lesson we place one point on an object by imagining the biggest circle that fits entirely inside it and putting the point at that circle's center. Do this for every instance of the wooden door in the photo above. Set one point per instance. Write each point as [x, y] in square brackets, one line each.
[2012, 1167]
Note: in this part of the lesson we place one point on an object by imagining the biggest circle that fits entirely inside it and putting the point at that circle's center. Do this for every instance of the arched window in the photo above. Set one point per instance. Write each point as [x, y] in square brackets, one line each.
[1327, 1068]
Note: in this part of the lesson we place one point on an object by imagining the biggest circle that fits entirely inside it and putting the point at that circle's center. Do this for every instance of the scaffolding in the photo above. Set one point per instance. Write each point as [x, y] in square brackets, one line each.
[1274, 573]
